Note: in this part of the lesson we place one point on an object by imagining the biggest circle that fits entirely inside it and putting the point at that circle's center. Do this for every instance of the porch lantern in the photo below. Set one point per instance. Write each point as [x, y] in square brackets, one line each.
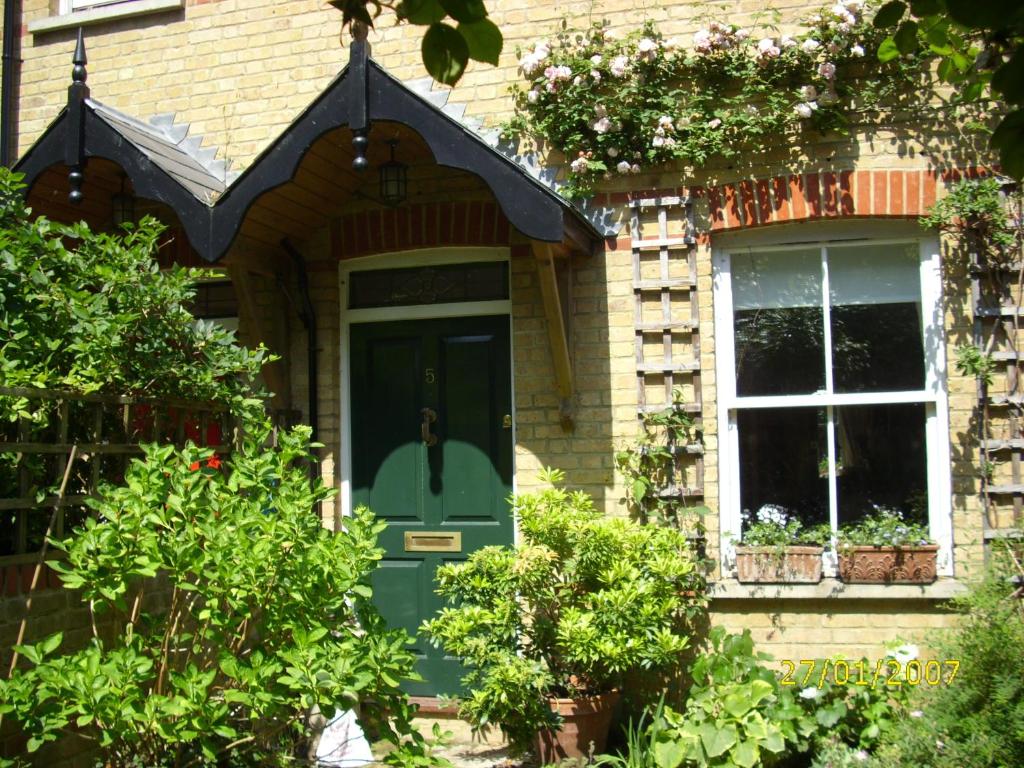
[394, 179]
[123, 205]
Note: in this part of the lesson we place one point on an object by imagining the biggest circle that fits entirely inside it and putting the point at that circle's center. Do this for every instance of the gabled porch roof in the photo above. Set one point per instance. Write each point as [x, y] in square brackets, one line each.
[213, 209]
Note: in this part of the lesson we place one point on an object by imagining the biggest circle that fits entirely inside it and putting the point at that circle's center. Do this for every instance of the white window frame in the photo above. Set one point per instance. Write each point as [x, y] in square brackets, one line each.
[70, 6]
[934, 395]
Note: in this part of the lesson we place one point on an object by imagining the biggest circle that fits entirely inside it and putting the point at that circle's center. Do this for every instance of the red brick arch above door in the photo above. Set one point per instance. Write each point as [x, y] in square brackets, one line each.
[465, 223]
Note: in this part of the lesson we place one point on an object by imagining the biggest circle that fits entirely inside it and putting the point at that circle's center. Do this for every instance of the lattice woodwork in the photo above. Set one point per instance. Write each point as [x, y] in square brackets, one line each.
[667, 323]
[996, 299]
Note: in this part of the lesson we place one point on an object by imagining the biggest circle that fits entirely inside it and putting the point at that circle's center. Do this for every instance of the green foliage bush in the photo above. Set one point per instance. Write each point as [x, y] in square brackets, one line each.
[741, 713]
[267, 616]
[93, 312]
[580, 602]
[978, 720]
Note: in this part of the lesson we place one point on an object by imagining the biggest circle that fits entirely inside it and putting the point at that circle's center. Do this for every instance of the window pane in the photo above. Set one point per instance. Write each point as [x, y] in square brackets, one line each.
[875, 300]
[780, 461]
[778, 323]
[881, 455]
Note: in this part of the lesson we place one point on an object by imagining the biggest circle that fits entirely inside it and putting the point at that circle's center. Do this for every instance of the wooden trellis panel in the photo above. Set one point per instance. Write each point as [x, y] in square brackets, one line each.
[107, 431]
[667, 322]
[997, 311]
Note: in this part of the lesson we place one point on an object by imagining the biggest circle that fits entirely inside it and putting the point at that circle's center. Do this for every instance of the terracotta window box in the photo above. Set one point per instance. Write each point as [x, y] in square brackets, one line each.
[770, 565]
[888, 565]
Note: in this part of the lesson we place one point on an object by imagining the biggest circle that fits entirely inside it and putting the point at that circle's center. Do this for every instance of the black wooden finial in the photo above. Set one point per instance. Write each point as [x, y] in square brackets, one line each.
[78, 73]
[74, 150]
[358, 95]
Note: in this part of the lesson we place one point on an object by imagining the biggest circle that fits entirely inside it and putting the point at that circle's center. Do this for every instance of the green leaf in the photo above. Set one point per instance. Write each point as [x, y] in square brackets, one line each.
[925, 7]
[1008, 138]
[669, 754]
[887, 50]
[483, 39]
[745, 754]
[906, 37]
[889, 14]
[445, 53]
[717, 741]
[421, 12]
[465, 11]
[1009, 78]
[736, 704]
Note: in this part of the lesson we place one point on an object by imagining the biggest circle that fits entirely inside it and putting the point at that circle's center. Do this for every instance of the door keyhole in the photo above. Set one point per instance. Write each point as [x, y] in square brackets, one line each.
[429, 417]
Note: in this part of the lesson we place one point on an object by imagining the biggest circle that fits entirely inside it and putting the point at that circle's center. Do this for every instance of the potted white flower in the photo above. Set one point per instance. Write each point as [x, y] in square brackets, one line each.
[778, 548]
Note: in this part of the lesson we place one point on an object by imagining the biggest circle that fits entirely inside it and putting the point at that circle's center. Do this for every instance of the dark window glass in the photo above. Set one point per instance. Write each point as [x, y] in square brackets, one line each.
[875, 309]
[778, 325]
[449, 283]
[881, 460]
[781, 452]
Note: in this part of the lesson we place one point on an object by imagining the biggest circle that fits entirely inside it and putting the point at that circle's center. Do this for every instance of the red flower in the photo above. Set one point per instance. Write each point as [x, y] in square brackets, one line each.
[194, 466]
[213, 462]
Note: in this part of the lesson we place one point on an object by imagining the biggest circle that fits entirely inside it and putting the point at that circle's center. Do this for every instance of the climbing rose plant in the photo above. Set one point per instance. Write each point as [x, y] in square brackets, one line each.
[620, 106]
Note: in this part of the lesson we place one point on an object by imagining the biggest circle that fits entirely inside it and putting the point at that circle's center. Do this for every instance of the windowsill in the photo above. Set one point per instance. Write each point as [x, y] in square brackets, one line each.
[103, 13]
[827, 589]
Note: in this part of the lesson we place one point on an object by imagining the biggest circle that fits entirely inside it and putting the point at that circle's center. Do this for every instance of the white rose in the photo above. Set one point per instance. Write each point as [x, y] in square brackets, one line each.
[702, 41]
[804, 109]
[827, 70]
[714, 123]
[602, 125]
[810, 45]
[808, 93]
[787, 42]
[596, 59]
[619, 66]
[623, 167]
[613, 152]
[532, 96]
[856, 50]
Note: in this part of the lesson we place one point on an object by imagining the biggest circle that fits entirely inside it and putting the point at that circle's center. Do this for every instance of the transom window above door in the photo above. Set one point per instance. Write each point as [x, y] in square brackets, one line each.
[831, 388]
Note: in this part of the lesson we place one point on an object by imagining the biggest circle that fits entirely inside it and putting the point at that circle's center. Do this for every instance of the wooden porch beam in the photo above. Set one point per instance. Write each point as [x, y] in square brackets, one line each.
[252, 320]
[544, 254]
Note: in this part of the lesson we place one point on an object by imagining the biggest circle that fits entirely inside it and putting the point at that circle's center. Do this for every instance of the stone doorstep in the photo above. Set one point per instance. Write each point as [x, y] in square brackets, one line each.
[465, 749]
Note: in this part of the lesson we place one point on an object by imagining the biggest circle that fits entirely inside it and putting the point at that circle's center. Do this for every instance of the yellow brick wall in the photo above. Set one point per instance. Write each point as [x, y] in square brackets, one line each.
[240, 70]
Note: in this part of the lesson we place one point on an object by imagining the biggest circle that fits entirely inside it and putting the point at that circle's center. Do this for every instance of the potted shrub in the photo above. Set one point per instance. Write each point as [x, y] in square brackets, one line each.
[549, 628]
[883, 547]
[778, 548]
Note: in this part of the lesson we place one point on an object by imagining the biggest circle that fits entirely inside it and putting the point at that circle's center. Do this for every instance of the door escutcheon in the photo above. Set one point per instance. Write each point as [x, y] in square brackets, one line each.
[429, 417]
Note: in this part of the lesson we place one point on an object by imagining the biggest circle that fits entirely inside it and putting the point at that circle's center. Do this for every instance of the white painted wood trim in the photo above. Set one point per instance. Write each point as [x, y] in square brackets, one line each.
[67, 19]
[934, 396]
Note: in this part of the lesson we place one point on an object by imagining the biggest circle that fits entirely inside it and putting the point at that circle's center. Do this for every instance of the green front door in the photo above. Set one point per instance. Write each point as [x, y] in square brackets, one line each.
[431, 455]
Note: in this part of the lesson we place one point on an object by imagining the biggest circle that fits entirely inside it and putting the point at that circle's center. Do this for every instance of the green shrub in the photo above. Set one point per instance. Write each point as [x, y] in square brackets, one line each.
[737, 714]
[87, 312]
[267, 615]
[580, 602]
[977, 721]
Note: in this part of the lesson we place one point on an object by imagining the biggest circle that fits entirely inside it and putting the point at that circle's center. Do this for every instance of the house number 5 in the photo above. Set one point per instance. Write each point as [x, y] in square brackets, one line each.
[429, 376]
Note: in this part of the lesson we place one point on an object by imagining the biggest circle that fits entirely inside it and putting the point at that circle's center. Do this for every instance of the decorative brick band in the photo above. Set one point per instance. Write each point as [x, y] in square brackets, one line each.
[829, 194]
[475, 222]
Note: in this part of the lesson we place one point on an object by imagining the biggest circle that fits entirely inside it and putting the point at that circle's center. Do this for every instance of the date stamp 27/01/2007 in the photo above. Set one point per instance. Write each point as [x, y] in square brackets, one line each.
[888, 672]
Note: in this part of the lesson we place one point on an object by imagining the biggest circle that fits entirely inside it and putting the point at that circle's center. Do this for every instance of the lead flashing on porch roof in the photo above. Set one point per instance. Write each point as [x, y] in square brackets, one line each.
[169, 146]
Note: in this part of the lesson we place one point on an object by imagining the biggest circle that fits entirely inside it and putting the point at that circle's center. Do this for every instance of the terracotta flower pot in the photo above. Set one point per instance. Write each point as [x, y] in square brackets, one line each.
[771, 565]
[888, 565]
[583, 721]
